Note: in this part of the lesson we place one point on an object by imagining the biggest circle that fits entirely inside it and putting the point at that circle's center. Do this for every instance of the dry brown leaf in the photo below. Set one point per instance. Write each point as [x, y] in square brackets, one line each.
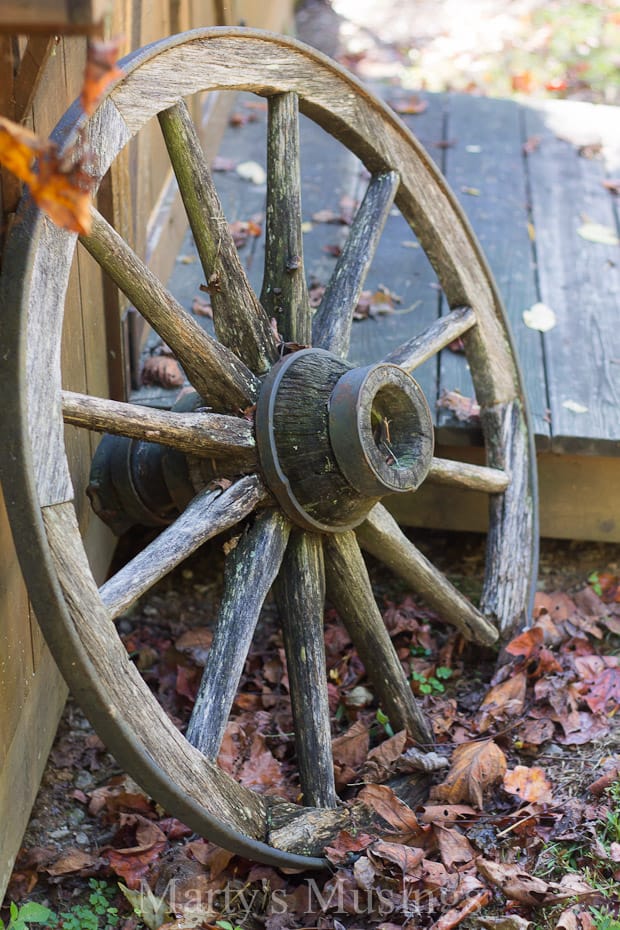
[447, 813]
[131, 863]
[456, 915]
[464, 408]
[382, 759]
[72, 860]
[527, 643]
[529, 784]
[341, 850]
[159, 369]
[475, 767]
[517, 884]
[349, 753]
[507, 922]
[405, 857]
[395, 812]
[575, 918]
[507, 699]
[454, 848]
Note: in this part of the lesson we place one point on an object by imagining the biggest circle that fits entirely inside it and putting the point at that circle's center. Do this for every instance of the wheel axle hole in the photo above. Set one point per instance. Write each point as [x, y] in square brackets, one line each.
[396, 428]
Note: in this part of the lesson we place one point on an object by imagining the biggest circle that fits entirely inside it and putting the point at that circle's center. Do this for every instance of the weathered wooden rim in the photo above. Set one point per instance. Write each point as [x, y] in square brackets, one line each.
[17, 466]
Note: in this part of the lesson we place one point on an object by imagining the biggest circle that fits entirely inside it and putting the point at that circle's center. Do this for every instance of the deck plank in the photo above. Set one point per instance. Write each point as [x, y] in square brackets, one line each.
[485, 168]
[579, 280]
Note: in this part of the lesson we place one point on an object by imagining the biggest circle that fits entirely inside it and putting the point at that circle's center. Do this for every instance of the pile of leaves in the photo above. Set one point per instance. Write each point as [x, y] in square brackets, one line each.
[519, 821]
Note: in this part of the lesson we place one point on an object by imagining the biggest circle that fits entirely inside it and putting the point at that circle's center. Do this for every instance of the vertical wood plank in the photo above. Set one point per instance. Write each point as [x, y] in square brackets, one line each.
[485, 168]
[579, 279]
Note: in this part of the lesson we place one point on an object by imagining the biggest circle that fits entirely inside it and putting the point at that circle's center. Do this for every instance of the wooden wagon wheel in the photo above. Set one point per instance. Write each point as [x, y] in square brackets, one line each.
[311, 475]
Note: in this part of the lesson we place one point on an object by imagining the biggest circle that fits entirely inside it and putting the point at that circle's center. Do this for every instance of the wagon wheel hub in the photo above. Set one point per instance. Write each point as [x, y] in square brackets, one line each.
[333, 440]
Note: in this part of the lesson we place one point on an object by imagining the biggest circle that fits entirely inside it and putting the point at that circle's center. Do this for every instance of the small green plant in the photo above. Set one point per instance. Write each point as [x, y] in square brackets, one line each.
[98, 914]
[603, 919]
[21, 918]
[384, 721]
[434, 684]
[226, 925]
[595, 584]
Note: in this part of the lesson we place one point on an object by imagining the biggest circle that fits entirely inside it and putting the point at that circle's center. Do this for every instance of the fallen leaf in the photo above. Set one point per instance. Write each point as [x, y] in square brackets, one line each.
[465, 409]
[382, 759]
[508, 922]
[349, 753]
[533, 733]
[575, 918]
[472, 191]
[529, 784]
[159, 369]
[345, 847]
[601, 682]
[252, 171]
[220, 163]
[476, 766]
[574, 406]
[153, 910]
[531, 144]
[396, 813]
[527, 643]
[241, 230]
[448, 813]
[405, 857]
[131, 863]
[519, 885]
[540, 317]
[72, 860]
[409, 106]
[329, 216]
[612, 185]
[507, 699]
[455, 915]
[454, 848]
[202, 307]
[101, 70]
[597, 232]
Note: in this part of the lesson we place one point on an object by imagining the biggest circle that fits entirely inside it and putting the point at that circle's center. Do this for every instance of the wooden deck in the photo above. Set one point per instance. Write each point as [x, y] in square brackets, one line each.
[526, 205]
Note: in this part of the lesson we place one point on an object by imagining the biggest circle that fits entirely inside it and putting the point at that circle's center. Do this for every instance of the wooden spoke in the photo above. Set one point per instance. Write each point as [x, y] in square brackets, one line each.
[209, 513]
[300, 594]
[250, 571]
[333, 320]
[217, 374]
[284, 294]
[204, 434]
[381, 535]
[349, 589]
[240, 321]
[414, 352]
[466, 475]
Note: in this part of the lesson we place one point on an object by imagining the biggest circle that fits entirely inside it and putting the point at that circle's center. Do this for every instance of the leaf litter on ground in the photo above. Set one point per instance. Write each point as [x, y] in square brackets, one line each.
[473, 846]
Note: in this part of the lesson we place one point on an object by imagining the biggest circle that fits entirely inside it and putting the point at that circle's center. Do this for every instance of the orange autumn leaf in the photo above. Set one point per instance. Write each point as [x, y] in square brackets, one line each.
[506, 699]
[475, 767]
[101, 69]
[59, 188]
[529, 784]
[18, 149]
[527, 643]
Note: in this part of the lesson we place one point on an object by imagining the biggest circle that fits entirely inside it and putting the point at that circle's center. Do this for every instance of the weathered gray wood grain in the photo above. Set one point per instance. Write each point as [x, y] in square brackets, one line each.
[284, 293]
[380, 535]
[250, 571]
[440, 334]
[465, 475]
[334, 318]
[217, 374]
[485, 168]
[300, 595]
[512, 541]
[240, 321]
[579, 280]
[210, 434]
[349, 590]
[208, 514]
[108, 685]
